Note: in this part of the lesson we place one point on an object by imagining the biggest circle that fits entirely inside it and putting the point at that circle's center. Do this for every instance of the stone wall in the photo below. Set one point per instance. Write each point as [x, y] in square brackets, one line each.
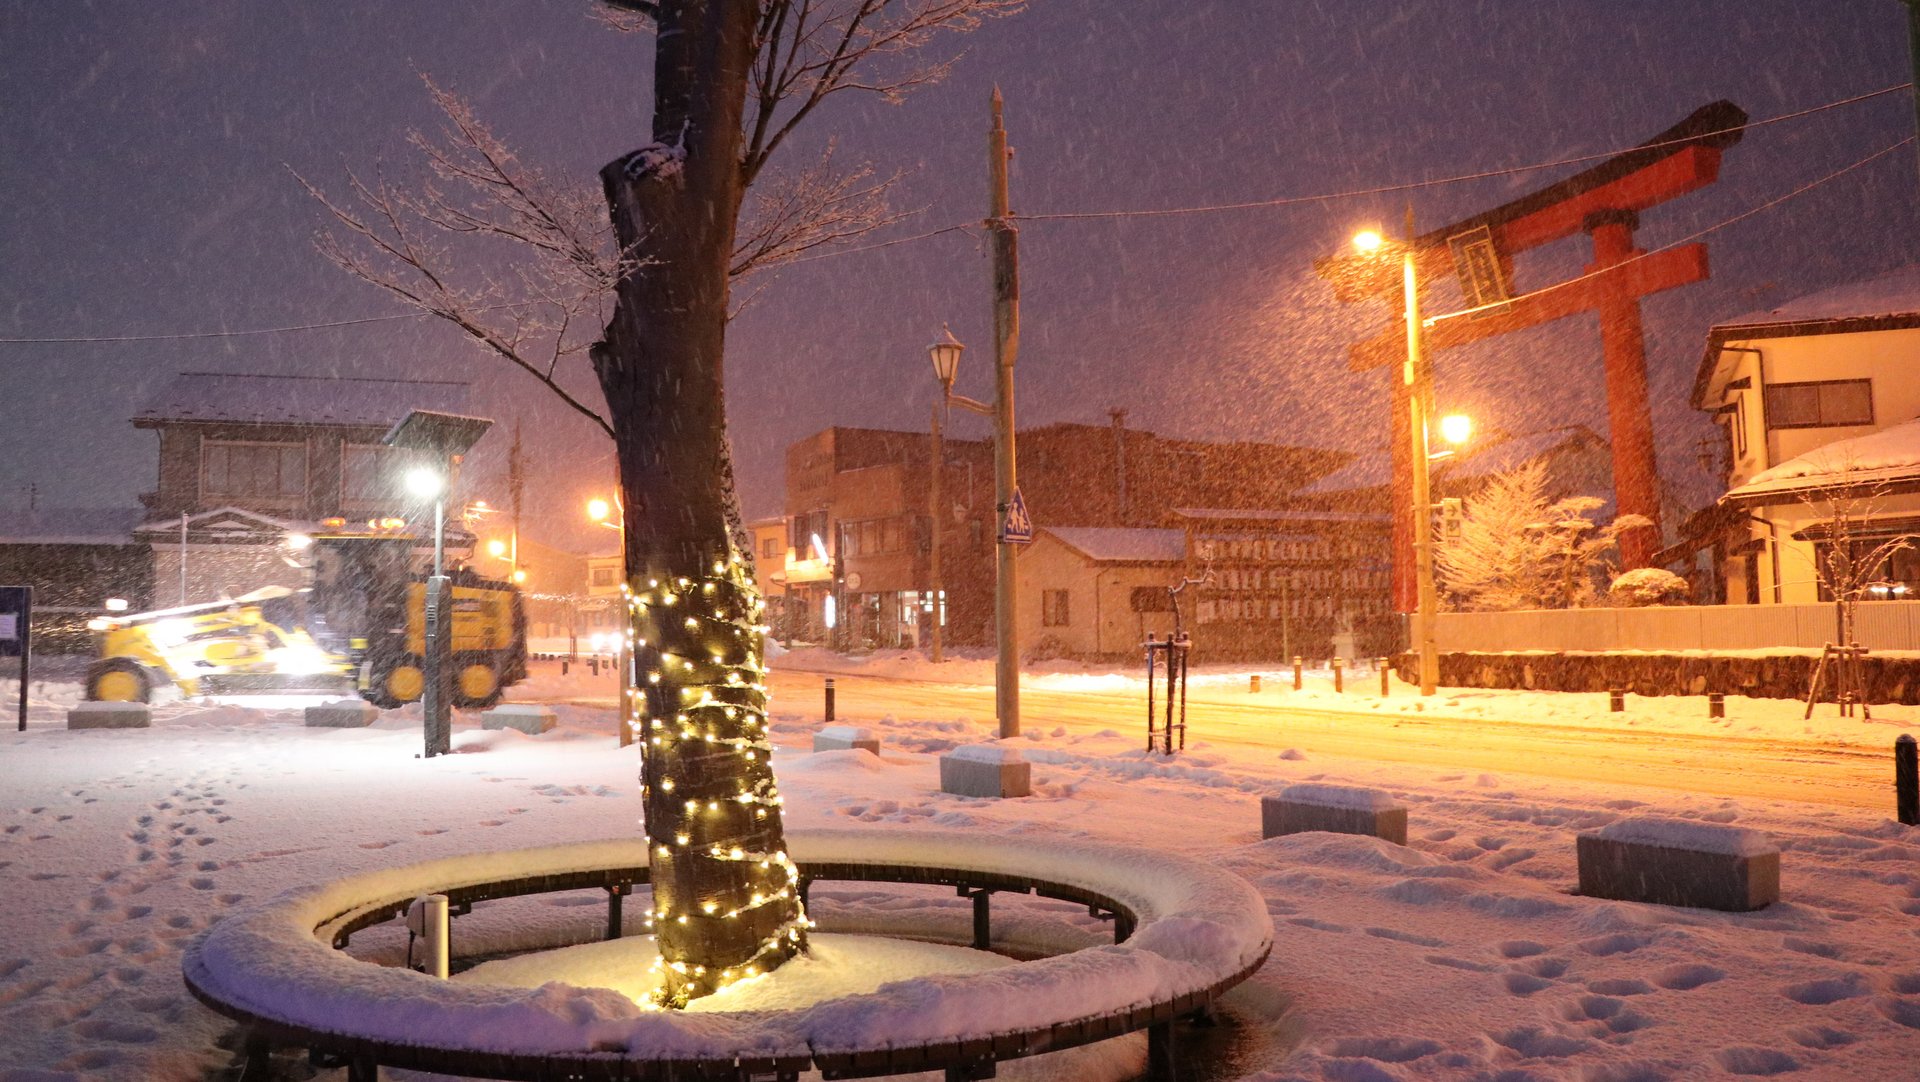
[1889, 679]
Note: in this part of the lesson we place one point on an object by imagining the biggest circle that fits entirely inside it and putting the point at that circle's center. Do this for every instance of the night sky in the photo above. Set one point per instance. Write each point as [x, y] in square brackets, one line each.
[147, 191]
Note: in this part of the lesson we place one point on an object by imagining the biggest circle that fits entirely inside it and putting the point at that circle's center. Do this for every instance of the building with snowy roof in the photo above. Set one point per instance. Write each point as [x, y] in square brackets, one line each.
[1817, 400]
[249, 460]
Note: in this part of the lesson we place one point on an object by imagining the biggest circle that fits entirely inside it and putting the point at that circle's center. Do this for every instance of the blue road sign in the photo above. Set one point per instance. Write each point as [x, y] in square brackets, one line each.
[1017, 527]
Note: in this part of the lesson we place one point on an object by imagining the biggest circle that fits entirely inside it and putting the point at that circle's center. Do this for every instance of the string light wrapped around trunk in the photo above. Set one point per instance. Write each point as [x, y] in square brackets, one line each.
[726, 898]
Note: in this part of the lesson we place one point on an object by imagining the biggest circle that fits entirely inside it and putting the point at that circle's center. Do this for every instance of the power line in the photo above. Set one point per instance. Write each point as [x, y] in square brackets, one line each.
[1355, 193]
[1077, 215]
[211, 334]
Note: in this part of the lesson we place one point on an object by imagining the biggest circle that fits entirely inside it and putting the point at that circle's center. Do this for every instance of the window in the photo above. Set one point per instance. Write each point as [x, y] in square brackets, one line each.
[1820, 404]
[769, 548]
[366, 473]
[1053, 608]
[1895, 578]
[604, 576]
[1149, 599]
[870, 537]
[274, 471]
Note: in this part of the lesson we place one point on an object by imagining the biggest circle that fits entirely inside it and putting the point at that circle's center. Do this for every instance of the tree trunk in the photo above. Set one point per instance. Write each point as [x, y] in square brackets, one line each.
[726, 897]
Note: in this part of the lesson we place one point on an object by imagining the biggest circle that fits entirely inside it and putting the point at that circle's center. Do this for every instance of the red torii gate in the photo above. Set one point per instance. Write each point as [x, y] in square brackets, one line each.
[1604, 202]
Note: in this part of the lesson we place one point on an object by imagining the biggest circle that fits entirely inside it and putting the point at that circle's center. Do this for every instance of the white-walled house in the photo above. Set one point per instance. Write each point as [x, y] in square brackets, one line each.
[1818, 399]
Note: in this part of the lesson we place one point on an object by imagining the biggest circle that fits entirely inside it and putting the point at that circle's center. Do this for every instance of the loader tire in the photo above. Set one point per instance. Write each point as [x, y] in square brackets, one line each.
[476, 681]
[396, 682]
[119, 680]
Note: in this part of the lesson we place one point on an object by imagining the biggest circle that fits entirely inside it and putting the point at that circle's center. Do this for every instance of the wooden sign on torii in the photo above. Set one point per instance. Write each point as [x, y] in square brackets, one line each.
[1604, 202]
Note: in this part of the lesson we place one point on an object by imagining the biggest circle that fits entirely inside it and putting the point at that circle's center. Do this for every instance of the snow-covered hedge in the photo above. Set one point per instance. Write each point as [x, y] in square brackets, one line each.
[1649, 586]
[1197, 925]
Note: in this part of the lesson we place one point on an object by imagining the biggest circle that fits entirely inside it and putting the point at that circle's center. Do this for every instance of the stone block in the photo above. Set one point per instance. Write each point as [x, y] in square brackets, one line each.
[985, 770]
[530, 718]
[1335, 809]
[1680, 862]
[110, 716]
[342, 714]
[845, 737]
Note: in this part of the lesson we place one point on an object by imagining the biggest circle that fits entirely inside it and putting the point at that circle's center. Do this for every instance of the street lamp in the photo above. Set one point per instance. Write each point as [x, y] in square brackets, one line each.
[446, 436]
[1417, 376]
[614, 517]
[1456, 428]
[945, 355]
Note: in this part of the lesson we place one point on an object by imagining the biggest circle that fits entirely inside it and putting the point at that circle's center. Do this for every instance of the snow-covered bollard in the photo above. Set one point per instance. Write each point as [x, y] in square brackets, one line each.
[105, 715]
[1680, 862]
[1335, 809]
[846, 738]
[343, 714]
[530, 718]
[988, 770]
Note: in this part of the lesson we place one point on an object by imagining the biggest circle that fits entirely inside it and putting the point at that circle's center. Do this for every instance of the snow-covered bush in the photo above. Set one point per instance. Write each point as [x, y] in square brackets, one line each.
[1649, 586]
[1517, 550]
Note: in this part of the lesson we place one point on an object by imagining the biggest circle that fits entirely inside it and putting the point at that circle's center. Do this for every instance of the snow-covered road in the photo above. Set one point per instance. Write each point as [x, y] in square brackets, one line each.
[1461, 956]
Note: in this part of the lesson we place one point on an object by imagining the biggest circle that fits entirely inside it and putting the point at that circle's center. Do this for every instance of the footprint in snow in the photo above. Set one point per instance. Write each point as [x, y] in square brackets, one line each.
[1819, 993]
[1755, 1062]
[1319, 925]
[1686, 976]
[1820, 1038]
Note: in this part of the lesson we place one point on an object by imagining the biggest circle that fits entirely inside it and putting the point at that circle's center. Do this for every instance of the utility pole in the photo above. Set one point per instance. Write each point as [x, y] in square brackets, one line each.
[516, 487]
[934, 517]
[1913, 58]
[1006, 347]
[1419, 382]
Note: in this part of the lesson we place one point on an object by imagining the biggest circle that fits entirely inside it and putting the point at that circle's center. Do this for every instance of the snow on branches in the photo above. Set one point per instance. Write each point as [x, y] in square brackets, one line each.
[1518, 550]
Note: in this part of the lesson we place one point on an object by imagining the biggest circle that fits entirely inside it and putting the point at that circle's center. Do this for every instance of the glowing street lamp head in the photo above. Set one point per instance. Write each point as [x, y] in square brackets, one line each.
[496, 548]
[1456, 428]
[945, 355]
[598, 509]
[1368, 241]
[519, 574]
[424, 482]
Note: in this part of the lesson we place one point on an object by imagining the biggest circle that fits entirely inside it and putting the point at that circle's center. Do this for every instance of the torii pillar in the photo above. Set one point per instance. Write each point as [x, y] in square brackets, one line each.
[1623, 347]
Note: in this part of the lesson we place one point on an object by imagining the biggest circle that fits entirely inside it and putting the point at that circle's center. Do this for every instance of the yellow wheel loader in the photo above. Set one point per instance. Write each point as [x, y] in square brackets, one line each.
[249, 643]
[360, 626]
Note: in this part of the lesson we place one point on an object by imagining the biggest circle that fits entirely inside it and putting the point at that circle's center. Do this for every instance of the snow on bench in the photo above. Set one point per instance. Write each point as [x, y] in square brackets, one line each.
[341, 714]
[109, 715]
[846, 738]
[1680, 862]
[1335, 809]
[530, 718]
[986, 770]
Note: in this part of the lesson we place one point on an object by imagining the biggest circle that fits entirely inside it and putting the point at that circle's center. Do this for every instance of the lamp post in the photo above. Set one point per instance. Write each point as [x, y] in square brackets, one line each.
[614, 517]
[1417, 378]
[446, 436]
[938, 589]
[945, 355]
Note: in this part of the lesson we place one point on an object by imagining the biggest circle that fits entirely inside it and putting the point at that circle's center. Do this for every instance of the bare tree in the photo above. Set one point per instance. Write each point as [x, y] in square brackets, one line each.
[733, 82]
[1850, 564]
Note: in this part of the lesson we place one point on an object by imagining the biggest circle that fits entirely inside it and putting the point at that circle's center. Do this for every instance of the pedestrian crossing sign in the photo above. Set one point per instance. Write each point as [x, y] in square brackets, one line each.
[1017, 527]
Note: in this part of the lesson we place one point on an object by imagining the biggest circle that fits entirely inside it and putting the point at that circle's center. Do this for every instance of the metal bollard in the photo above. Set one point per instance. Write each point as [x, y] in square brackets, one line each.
[1339, 671]
[1253, 684]
[563, 666]
[829, 698]
[1716, 705]
[1385, 672]
[1617, 700]
[1906, 780]
[1296, 672]
[594, 663]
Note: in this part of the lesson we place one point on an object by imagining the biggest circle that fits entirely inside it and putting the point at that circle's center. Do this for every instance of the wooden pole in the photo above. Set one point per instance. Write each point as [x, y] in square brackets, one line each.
[1006, 348]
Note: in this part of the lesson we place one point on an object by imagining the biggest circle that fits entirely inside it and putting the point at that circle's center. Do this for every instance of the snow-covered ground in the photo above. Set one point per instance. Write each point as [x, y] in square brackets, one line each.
[1461, 956]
